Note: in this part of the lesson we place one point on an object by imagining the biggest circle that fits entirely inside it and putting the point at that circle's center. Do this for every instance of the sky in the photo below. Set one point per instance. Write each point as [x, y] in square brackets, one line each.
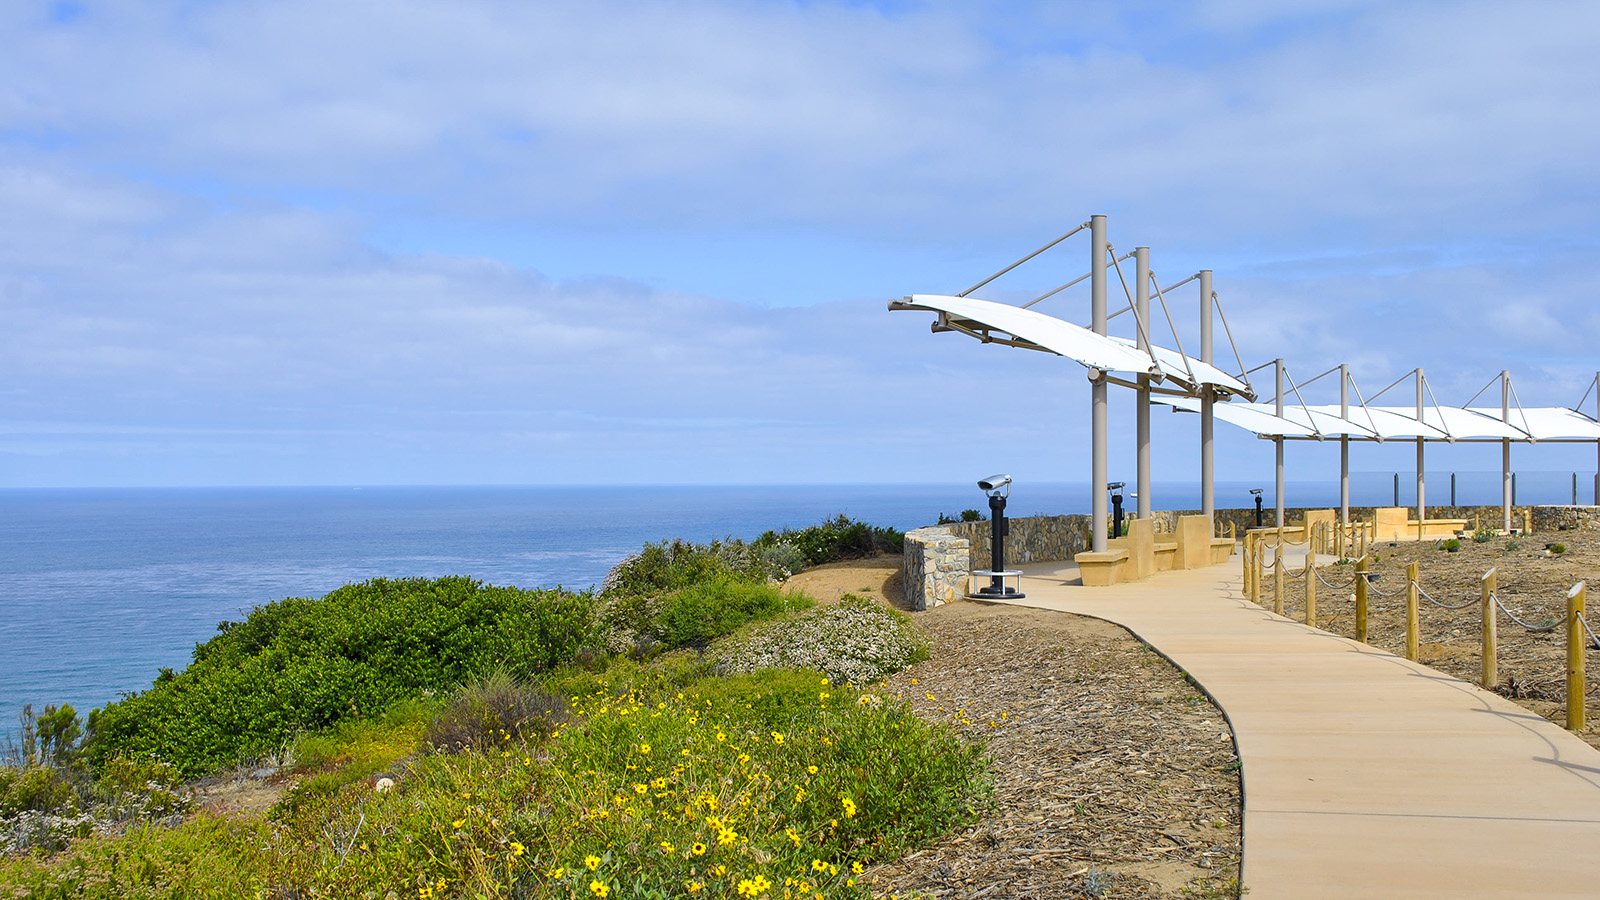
[483, 242]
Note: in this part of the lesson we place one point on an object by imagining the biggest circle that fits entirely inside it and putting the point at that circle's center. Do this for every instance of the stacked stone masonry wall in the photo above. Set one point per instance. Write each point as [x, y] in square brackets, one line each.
[939, 558]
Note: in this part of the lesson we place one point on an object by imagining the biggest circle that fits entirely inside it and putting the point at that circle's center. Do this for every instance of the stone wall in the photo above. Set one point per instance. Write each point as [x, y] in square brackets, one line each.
[939, 558]
[935, 566]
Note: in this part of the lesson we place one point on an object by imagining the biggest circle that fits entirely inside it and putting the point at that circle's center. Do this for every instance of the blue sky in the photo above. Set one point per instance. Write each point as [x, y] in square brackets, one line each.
[504, 242]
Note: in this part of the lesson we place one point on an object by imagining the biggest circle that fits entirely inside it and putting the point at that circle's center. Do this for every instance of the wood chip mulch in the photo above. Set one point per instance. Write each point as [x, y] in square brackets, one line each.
[1114, 776]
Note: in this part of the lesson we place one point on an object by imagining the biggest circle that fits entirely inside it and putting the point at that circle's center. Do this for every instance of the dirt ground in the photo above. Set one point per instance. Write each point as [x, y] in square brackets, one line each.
[1114, 776]
[1533, 583]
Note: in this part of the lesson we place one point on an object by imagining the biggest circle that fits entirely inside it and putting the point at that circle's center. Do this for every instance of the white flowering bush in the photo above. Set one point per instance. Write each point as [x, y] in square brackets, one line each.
[857, 641]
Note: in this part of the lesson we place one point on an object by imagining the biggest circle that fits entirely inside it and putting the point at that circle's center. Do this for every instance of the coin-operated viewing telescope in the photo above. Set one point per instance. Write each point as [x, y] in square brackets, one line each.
[998, 487]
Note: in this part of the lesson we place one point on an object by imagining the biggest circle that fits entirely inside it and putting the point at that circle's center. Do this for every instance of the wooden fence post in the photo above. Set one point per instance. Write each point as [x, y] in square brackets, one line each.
[1577, 647]
[1491, 671]
[1278, 568]
[1311, 591]
[1361, 599]
[1413, 575]
[1249, 562]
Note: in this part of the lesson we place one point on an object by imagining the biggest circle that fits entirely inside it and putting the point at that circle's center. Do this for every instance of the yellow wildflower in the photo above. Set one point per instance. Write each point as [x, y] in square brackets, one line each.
[599, 889]
[849, 808]
[698, 849]
[592, 861]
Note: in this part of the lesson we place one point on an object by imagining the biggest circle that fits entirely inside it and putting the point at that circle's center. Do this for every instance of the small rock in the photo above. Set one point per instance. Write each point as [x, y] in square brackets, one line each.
[383, 784]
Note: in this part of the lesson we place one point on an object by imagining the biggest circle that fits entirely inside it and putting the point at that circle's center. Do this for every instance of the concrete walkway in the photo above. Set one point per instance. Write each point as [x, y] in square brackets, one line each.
[1365, 776]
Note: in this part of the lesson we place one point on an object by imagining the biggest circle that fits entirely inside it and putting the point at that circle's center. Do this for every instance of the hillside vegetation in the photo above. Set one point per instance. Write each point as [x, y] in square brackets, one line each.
[666, 736]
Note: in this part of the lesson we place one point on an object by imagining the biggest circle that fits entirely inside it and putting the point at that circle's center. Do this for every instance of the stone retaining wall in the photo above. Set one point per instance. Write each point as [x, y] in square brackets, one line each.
[939, 558]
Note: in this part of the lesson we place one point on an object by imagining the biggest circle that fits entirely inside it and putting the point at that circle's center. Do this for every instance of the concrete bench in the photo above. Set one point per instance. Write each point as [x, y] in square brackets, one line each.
[1106, 567]
[1437, 528]
[1166, 556]
[1221, 549]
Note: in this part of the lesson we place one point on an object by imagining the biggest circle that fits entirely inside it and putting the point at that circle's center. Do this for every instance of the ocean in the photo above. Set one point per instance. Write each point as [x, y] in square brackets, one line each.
[99, 588]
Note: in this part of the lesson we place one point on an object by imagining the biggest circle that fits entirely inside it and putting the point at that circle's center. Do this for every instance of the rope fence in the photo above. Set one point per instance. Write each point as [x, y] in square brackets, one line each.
[1259, 557]
[1537, 629]
[1429, 597]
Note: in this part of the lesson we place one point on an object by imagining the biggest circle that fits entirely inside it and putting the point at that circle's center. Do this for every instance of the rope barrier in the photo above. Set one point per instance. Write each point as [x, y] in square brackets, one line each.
[1337, 587]
[1535, 628]
[1373, 587]
[1430, 599]
[1592, 639]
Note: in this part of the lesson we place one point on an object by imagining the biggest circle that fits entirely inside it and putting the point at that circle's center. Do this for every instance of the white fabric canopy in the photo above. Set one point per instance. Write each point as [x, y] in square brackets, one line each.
[1548, 423]
[1400, 423]
[1044, 332]
[1075, 342]
[1178, 367]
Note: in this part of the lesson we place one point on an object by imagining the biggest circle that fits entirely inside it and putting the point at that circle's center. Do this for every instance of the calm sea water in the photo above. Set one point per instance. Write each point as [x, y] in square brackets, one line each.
[99, 588]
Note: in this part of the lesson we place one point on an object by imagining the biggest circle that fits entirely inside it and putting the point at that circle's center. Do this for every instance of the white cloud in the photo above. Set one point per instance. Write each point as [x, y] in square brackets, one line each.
[186, 193]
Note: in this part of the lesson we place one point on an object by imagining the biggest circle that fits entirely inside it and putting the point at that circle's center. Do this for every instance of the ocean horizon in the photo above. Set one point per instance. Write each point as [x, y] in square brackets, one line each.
[102, 587]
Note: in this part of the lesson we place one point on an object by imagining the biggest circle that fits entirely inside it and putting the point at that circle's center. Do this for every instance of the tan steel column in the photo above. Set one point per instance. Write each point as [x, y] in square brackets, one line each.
[1141, 302]
[1097, 451]
[1208, 462]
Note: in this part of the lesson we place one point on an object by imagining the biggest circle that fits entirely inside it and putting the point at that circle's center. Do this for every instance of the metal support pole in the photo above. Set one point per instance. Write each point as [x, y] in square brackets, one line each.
[1507, 488]
[1344, 446]
[1491, 670]
[1422, 505]
[1141, 294]
[1597, 443]
[1278, 368]
[1208, 463]
[1097, 452]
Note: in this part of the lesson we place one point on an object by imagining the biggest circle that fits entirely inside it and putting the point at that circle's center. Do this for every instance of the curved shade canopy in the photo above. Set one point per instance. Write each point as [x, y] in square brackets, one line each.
[1026, 328]
[1190, 371]
[1447, 423]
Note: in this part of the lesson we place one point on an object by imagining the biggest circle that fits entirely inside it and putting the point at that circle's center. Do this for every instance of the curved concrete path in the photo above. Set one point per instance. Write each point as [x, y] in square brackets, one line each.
[1364, 775]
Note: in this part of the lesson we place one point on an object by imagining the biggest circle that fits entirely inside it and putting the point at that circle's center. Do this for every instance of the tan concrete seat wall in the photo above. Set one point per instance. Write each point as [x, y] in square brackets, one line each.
[1194, 542]
[1102, 569]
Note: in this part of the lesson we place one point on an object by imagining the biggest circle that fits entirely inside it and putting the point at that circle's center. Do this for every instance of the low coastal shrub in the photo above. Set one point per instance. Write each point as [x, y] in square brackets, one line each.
[774, 556]
[677, 564]
[761, 785]
[301, 665]
[856, 641]
[695, 615]
[836, 539]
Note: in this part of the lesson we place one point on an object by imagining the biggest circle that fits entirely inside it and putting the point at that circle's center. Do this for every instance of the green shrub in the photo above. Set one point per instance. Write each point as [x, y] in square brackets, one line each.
[1450, 546]
[856, 641]
[1484, 535]
[696, 615]
[1557, 549]
[673, 565]
[678, 790]
[837, 539]
[300, 664]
